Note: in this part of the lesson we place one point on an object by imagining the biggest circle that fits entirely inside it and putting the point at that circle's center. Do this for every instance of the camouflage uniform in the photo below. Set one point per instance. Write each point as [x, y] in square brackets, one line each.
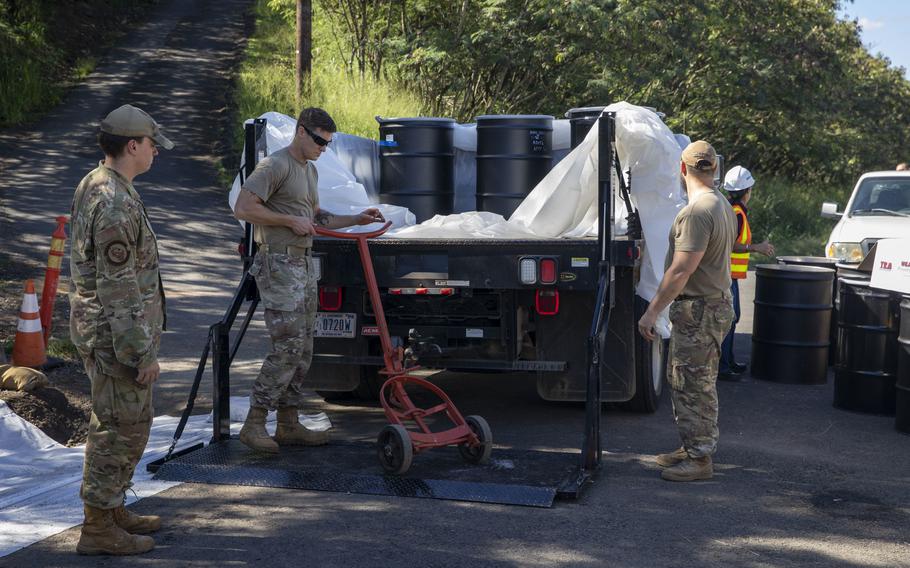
[286, 278]
[287, 287]
[699, 327]
[116, 319]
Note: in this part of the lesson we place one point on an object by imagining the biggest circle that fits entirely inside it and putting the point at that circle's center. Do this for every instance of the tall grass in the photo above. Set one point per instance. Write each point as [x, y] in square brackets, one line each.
[266, 79]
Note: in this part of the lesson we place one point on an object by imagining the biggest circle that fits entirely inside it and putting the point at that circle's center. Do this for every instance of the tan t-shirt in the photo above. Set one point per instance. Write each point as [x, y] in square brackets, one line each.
[286, 185]
[707, 224]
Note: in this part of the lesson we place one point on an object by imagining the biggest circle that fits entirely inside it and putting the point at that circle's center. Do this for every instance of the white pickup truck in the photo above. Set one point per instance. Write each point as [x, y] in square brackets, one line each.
[879, 208]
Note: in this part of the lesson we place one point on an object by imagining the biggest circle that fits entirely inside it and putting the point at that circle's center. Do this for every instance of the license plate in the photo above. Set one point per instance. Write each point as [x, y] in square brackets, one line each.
[336, 325]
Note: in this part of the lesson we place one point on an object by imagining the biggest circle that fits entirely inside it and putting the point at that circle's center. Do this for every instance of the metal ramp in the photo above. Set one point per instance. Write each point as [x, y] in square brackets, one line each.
[526, 478]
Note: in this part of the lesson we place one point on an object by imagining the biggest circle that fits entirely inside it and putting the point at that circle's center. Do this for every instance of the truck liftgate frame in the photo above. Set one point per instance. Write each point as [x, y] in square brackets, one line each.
[226, 461]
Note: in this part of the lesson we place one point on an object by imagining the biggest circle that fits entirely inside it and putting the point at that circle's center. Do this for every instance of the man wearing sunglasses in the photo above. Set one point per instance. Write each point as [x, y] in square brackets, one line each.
[280, 199]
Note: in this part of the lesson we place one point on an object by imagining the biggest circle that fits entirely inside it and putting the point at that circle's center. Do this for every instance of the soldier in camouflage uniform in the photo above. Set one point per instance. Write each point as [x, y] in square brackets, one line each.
[117, 315]
[281, 201]
[697, 282]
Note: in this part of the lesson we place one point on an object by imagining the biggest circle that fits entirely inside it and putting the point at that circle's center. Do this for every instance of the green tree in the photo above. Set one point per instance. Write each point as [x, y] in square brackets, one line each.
[781, 85]
[479, 56]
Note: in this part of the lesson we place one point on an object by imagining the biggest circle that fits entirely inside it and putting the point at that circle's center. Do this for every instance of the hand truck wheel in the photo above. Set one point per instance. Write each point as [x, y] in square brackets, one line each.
[480, 453]
[394, 449]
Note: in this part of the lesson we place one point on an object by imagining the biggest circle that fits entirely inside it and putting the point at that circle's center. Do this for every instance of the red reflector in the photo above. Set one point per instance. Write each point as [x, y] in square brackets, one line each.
[446, 291]
[395, 291]
[421, 291]
[547, 302]
[547, 271]
[330, 298]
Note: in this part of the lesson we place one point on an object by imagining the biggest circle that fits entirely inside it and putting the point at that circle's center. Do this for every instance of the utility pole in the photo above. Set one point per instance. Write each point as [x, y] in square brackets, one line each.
[304, 45]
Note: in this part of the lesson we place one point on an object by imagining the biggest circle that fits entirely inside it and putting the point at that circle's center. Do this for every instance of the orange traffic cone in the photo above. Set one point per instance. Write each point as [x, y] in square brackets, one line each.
[28, 350]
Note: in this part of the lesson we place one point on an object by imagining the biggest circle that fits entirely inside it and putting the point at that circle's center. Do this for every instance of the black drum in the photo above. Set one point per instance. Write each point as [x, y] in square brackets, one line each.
[846, 271]
[849, 271]
[902, 385]
[580, 122]
[514, 152]
[416, 164]
[790, 323]
[866, 369]
[821, 262]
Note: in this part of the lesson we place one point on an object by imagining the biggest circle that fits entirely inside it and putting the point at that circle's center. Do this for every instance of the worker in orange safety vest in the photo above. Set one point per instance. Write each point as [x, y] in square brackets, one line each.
[739, 183]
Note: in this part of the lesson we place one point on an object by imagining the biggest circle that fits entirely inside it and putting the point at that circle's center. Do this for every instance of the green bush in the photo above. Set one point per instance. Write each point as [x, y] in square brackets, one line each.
[788, 214]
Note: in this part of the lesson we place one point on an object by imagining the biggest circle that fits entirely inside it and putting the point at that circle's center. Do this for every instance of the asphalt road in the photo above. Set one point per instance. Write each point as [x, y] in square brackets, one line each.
[798, 482]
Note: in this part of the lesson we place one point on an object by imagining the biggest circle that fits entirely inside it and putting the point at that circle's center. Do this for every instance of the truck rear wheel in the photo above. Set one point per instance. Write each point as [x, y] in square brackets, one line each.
[650, 367]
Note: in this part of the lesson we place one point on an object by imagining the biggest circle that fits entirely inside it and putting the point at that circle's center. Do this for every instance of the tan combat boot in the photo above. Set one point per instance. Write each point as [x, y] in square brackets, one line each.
[136, 524]
[253, 433]
[100, 535]
[290, 432]
[673, 458]
[690, 469]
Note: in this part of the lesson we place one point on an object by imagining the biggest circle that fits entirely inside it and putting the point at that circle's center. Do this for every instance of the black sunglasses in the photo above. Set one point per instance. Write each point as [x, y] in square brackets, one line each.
[316, 138]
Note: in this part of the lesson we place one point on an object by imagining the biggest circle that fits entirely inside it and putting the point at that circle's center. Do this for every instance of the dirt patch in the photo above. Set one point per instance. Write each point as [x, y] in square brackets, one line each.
[62, 409]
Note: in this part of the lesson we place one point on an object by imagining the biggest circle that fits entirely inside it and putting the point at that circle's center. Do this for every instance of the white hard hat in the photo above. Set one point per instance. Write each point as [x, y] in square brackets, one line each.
[738, 179]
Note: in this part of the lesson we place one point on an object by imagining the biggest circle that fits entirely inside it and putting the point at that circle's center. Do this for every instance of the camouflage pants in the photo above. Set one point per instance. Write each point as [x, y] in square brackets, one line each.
[117, 434]
[287, 287]
[699, 326]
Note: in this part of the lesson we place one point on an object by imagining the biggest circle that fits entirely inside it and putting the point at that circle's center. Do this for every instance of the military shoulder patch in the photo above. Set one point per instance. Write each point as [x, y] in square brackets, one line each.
[117, 253]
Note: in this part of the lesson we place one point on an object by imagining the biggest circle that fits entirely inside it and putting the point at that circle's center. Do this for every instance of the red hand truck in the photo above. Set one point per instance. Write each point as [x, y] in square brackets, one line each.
[396, 444]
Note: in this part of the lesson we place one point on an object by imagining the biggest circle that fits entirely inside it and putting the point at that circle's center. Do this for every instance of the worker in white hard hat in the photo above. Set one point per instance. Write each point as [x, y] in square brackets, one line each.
[739, 183]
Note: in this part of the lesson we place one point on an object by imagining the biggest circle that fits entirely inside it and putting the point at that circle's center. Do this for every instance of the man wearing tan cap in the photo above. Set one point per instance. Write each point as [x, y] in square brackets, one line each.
[116, 319]
[696, 286]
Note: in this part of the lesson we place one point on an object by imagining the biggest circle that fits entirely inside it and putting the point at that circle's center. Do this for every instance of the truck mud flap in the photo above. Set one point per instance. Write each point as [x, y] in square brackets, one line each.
[525, 478]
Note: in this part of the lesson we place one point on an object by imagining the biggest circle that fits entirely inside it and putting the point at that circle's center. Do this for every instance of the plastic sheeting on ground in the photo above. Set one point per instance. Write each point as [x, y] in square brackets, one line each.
[40, 479]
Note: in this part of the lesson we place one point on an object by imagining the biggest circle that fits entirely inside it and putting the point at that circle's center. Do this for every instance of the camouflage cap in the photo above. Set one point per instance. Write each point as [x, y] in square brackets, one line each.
[700, 155]
[128, 120]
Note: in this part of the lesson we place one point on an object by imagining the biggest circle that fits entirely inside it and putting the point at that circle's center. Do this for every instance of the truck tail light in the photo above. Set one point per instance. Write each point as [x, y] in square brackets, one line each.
[548, 271]
[547, 302]
[330, 298]
[527, 268]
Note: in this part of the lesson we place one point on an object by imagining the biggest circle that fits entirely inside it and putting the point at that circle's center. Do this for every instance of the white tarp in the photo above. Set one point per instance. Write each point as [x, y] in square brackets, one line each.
[40, 479]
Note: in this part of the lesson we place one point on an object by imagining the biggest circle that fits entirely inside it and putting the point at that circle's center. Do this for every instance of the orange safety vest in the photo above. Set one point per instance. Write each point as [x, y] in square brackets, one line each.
[739, 261]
